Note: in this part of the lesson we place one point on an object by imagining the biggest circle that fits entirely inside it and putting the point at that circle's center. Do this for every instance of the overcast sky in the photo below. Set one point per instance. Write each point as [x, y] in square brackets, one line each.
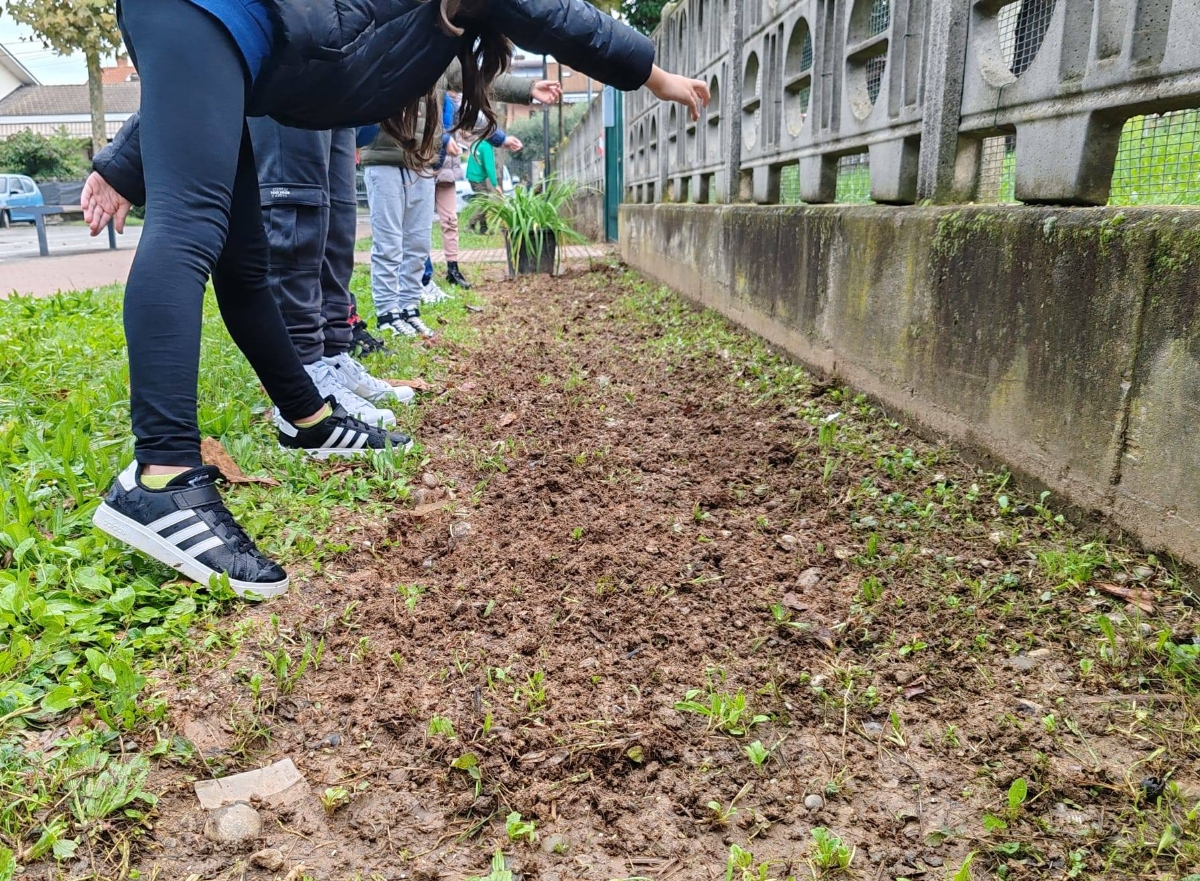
[48, 67]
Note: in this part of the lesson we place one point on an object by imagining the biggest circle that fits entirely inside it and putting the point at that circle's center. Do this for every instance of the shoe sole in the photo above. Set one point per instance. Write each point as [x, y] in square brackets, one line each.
[323, 453]
[134, 534]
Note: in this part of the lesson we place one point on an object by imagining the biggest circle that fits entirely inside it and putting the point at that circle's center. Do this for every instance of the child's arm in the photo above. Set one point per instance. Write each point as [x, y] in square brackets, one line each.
[595, 44]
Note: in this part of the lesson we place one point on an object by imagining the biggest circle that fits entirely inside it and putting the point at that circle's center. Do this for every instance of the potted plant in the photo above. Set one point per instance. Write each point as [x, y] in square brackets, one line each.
[533, 224]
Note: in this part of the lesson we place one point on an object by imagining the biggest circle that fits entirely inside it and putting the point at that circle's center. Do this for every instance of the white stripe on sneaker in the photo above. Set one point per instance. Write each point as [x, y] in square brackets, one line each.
[205, 546]
[332, 440]
[348, 441]
[361, 442]
[183, 535]
[170, 520]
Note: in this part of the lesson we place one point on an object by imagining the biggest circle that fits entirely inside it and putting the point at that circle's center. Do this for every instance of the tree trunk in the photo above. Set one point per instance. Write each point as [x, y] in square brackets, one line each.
[96, 96]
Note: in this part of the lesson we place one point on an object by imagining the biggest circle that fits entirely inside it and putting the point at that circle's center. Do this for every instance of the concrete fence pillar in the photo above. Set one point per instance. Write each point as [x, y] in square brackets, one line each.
[732, 111]
[946, 60]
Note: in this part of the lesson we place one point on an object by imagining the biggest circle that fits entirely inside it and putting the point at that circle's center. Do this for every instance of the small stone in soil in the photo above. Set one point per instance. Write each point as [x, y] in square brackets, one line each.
[269, 859]
[1023, 663]
[814, 802]
[233, 824]
[429, 480]
[555, 844]
[935, 862]
[809, 578]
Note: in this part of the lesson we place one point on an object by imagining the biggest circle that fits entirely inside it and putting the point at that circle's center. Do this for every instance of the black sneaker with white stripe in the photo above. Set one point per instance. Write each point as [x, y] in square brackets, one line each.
[187, 527]
[339, 435]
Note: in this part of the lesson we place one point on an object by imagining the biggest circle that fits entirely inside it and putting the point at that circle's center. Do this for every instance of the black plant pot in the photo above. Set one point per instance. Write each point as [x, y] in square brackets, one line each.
[528, 260]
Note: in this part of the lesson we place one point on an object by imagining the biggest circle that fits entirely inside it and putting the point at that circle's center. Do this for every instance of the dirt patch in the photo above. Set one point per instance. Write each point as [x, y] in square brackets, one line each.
[629, 513]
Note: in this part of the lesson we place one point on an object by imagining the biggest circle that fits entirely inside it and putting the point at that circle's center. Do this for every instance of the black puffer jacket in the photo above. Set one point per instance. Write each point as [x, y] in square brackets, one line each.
[350, 63]
[355, 62]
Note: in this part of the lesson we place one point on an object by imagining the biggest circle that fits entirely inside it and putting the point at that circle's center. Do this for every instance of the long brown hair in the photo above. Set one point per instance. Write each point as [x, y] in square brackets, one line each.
[483, 54]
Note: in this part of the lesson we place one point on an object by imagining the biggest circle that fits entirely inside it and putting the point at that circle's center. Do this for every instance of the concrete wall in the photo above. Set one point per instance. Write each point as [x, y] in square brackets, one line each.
[1066, 342]
[586, 213]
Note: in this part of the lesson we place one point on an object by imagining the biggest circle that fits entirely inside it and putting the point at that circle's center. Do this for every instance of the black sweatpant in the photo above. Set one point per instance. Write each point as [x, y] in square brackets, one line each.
[203, 218]
[310, 211]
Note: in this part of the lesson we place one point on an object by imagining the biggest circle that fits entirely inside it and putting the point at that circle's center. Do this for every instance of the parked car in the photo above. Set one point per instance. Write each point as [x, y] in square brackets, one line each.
[16, 192]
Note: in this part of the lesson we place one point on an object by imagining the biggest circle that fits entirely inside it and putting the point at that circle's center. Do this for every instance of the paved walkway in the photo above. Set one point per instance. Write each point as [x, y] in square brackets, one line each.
[75, 270]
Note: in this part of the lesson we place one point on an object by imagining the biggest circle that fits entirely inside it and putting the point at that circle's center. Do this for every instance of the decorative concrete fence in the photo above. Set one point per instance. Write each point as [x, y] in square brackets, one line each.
[923, 88]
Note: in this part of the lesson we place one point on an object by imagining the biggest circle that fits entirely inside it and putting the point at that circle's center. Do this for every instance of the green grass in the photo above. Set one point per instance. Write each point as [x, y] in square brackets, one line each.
[83, 620]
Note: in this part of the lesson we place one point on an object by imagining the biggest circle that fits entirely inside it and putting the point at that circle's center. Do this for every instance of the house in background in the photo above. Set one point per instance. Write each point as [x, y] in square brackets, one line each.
[13, 74]
[27, 104]
[577, 88]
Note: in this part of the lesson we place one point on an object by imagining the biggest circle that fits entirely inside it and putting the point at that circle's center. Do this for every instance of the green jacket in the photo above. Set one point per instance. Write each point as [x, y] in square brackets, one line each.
[385, 151]
[482, 164]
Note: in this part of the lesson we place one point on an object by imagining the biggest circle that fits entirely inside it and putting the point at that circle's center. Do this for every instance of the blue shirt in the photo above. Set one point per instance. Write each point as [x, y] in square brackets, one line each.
[250, 25]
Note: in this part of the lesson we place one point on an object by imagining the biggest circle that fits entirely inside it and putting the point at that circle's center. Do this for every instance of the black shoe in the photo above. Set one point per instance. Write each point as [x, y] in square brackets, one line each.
[364, 343]
[187, 527]
[454, 276]
[340, 435]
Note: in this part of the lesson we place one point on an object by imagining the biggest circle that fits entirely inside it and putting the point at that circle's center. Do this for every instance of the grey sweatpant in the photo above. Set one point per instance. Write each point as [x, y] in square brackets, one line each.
[402, 204]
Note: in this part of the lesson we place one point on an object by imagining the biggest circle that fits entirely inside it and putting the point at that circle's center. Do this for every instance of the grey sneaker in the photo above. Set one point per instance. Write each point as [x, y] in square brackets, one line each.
[356, 378]
[329, 384]
[412, 317]
[395, 324]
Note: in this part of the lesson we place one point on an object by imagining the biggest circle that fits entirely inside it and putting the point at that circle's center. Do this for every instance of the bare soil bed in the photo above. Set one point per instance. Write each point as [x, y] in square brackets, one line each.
[630, 512]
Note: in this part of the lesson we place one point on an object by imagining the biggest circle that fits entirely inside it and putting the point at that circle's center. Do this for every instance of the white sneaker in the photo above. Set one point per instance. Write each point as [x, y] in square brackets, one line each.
[433, 294]
[328, 383]
[354, 376]
[394, 323]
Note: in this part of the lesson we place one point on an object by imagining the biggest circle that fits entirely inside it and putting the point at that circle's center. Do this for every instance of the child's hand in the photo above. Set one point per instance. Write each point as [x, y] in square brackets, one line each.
[546, 92]
[692, 94]
[101, 203]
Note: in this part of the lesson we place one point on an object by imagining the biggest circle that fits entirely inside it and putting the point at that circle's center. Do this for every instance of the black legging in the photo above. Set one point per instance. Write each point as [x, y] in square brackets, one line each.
[203, 218]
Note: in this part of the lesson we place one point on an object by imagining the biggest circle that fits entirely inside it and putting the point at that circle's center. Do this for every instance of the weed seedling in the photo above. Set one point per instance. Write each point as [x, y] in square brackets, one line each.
[964, 871]
[896, 735]
[740, 866]
[519, 829]
[758, 754]
[440, 727]
[335, 797]
[726, 712]
[468, 763]
[829, 853]
[533, 693]
[500, 871]
[1017, 793]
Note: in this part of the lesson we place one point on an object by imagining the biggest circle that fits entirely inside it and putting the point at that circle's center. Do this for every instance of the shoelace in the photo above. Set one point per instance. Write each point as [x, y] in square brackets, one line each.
[231, 529]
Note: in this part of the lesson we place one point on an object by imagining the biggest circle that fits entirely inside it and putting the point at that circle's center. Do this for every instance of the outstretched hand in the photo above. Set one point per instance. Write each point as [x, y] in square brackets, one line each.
[547, 91]
[692, 94]
[101, 204]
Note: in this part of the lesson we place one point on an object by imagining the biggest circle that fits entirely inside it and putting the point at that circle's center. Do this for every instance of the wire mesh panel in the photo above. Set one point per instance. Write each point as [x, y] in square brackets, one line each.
[789, 185]
[875, 68]
[854, 179]
[997, 170]
[1158, 162]
[1023, 25]
[881, 17]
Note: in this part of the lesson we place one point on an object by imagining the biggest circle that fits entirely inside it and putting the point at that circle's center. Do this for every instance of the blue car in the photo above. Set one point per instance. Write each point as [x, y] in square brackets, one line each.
[16, 192]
